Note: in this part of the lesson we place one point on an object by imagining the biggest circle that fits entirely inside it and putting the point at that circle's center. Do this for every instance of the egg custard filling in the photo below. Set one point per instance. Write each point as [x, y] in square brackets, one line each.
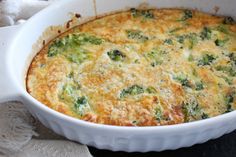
[140, 68]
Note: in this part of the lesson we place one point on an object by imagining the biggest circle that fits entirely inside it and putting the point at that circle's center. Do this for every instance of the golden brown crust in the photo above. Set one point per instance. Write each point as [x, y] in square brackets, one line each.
[188, 85]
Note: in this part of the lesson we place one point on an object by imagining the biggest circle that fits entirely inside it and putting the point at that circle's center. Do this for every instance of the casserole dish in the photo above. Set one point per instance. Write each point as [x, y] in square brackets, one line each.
[17, 55]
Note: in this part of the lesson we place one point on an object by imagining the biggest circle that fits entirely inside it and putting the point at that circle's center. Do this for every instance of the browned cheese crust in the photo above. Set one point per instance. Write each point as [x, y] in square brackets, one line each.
[140, 68]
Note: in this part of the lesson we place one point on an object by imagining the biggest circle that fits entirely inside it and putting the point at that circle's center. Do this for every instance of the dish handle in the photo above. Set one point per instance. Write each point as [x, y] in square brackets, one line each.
[7, 90]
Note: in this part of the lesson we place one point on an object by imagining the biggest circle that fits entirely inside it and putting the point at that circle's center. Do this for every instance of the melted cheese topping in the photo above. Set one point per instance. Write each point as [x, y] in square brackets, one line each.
[140, 68]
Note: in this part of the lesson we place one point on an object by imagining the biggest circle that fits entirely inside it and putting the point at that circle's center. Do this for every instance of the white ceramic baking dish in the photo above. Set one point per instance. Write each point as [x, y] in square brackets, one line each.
[16, 53]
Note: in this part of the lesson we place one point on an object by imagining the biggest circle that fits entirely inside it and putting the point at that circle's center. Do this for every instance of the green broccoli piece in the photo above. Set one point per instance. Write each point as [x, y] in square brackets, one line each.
[228, 20]
[183, 80]
[206, 33]
[146, 14]
[116, 55]
[221, 43]
[192, 111]
[158, 114]
[133, 90]
[80, 104]
[199, 86]
[136, 35]
[188, 14]
[168, 41]
[206, 60]
[229, 99]
[71, 41]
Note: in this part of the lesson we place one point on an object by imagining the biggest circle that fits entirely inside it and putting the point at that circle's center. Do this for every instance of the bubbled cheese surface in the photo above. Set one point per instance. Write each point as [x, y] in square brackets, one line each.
[140, 68]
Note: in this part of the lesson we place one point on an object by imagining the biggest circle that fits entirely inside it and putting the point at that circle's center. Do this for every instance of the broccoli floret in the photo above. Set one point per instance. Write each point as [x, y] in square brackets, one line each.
[183, 80]
[229, 99]
[62, 45]
[80, 105]
[133, 90]
[136, 35]
[158, 114]
[116, 55]
[147, 14]
[188, 14]
[168, 41]
[228, 20]
[221, 43]
[206, 59]
[199, 86]
[206, 33]
[192, 111]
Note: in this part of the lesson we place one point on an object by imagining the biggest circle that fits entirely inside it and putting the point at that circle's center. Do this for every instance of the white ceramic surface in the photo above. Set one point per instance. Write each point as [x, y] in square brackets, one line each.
[16, 47]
